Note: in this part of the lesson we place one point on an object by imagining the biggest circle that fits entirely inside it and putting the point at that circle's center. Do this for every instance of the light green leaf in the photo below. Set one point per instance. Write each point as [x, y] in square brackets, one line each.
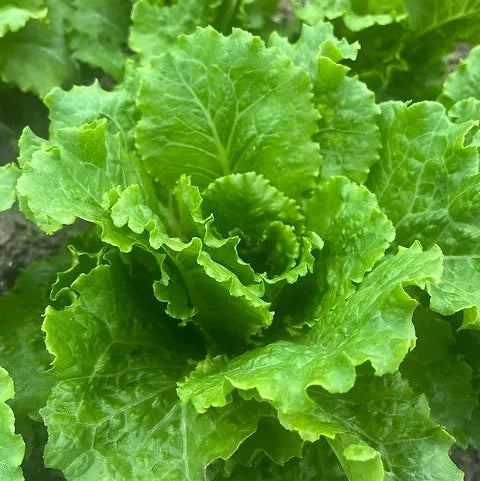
[14, 14]
[373, 324]
[8, 178]
[82, 105]
[36, 57]
[75, 173]
[356, 15]
[461, 93]
[427, 183]
[113, 413]
[463, 82]
[98, 35]
[314, 42]
[356, 233]
[269, 224]
[220, 105]
[12, 447]
[375, 445]
[348, 134]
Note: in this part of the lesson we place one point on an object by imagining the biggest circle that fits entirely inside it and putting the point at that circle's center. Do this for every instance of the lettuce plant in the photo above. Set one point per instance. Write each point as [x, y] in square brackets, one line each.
[280, 277]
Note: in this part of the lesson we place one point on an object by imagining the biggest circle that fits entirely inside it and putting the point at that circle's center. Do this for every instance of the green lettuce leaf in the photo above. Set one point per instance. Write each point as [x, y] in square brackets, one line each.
[317, 463]
[377, 446]
[427, 183]
[461, 93]
[11, 444]
[269, 224]
[436, 26]
[270, 439]
[348, 134]
[462, 83]
[114, 412]
[22, 346]
[36, 58]
[98, 33]
[344, 338]
[14, 14]
[235, 111]
[356, 15]
[355, 232]
[436, 368]
[156, 25]
[8, 177]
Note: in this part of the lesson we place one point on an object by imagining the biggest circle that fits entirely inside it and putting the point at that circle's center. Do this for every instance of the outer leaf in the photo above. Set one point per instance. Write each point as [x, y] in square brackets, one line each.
[14, 14]
[377, 445]
[99, 33]
[348, 135]
[437, 25]
[220, 105]
[462, 94]
[23, 352]
[8, 177]
[36, 57]
[11, 444]
[114, 412]
[156, 26]
[271, 439]
[356, 15]
[427, 183]
[435, 369]
[350, 335]
[318, 463]
[22, 346]
[463, 82]
[428, 15]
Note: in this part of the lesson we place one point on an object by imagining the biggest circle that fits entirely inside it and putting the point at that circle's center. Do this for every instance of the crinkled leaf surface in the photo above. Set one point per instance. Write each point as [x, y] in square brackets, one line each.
[11, 444]
[114, 412]
[8, 178]
[356, 15]
[461, 93]
[355, 232]
[220, 105]
[377, 446]
[269, 224]
[373, 324]
[427, 183]
[348, 134]
[14, 14]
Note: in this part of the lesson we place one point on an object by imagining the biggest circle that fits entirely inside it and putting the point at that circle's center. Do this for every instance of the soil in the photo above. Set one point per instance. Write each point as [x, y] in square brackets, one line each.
[21, 243]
